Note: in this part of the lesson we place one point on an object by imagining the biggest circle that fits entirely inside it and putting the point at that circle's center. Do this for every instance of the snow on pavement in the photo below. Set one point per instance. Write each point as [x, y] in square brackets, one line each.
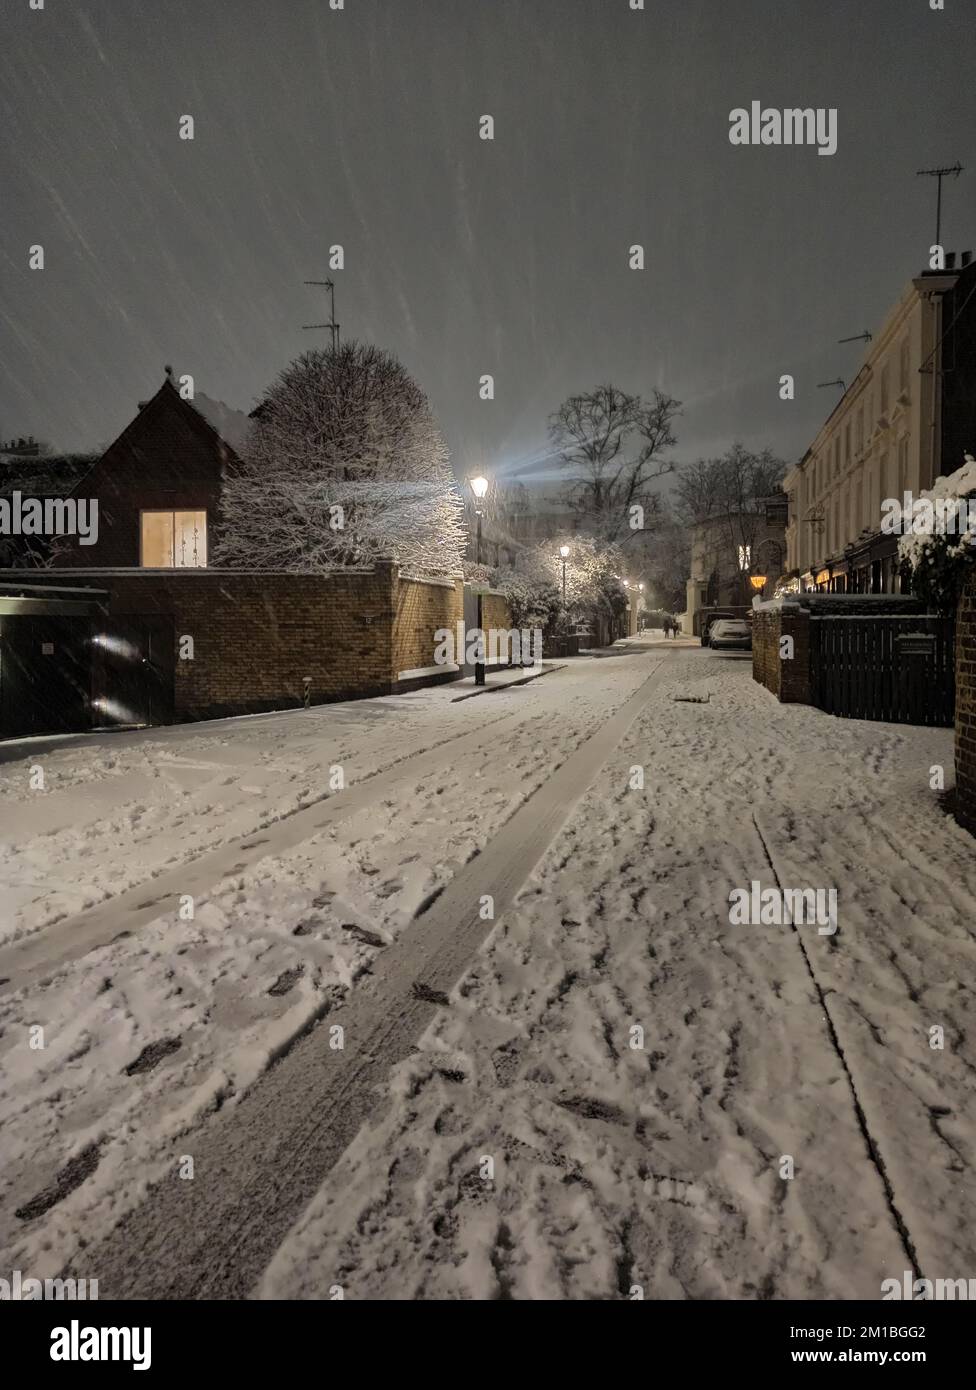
[658, 1167]
[615, 1165]
[267, 951]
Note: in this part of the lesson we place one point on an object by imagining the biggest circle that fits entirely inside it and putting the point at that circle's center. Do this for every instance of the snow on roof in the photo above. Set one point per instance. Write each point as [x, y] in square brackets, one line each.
[232, 425]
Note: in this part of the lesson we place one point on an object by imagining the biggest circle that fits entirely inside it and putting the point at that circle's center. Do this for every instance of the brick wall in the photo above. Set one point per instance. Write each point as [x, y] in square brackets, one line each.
[495, 612]
[422, 606]
[966, 706]
[255, 637]
[786, 678]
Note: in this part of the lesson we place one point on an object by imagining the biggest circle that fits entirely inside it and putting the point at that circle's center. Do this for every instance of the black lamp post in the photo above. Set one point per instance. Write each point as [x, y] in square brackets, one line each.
[479, 486]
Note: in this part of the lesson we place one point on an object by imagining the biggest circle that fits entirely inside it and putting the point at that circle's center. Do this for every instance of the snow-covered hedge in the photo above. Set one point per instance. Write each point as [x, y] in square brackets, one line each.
[939, 541]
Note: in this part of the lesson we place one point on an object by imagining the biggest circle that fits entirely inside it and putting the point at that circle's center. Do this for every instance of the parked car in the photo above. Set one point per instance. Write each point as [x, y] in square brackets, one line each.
[730, 632]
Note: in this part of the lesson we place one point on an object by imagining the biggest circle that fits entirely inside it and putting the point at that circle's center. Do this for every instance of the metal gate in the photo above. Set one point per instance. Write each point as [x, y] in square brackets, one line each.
[133, 671]
[898, 669]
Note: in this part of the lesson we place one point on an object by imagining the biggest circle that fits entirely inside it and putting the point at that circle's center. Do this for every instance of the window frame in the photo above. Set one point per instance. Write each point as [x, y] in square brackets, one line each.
[171, 512]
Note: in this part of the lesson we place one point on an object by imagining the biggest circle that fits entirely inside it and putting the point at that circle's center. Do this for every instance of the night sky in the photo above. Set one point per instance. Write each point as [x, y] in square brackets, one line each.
[464, 257]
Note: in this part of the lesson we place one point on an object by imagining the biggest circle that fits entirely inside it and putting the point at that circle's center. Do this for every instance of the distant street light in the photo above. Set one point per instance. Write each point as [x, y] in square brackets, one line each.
[564, 551]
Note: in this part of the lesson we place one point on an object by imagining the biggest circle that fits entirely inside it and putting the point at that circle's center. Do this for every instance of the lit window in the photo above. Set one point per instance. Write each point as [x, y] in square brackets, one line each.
[745, 552]
[174, 540]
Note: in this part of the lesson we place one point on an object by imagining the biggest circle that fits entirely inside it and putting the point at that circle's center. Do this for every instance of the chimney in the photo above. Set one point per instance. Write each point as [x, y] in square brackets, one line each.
[950, 260]
[965, 258]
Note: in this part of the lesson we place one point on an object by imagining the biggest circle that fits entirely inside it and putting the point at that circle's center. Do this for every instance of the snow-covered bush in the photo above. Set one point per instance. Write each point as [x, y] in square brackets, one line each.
[938, 550]
[593, 590]
[533, 600]
[345, 464]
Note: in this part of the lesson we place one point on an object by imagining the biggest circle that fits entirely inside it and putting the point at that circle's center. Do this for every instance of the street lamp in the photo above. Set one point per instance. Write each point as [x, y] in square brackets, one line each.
[479, 486]
[564, 551]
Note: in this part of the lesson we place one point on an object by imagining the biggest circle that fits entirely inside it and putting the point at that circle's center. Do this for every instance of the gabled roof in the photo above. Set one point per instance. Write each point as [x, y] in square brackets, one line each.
[168, 395]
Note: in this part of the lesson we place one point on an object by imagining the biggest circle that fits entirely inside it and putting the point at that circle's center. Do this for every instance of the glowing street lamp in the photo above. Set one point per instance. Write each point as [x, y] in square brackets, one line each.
[564, 552]
[758, 582]
[479, 486]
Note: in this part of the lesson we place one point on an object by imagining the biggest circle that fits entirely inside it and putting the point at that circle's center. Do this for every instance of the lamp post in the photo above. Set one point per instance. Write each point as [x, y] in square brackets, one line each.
[479, 486]
[564, 552]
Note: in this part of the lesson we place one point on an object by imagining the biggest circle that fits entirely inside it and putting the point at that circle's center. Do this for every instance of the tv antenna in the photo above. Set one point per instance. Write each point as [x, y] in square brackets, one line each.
[838, 382]
[864, 337]
[944, 172]
[332, 326]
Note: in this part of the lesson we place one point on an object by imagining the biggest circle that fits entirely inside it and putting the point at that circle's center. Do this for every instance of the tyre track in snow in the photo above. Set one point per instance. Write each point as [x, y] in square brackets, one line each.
[870, 1142]
[259, 1165]
[32, 958]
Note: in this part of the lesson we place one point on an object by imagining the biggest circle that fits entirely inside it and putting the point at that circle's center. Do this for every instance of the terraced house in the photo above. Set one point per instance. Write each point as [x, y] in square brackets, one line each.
[908, 417]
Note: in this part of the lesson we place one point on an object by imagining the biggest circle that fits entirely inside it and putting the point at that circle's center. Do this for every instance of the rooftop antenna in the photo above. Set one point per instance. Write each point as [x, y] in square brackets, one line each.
[864, 337]
[838, 382]
[331, 325]
[945, 171]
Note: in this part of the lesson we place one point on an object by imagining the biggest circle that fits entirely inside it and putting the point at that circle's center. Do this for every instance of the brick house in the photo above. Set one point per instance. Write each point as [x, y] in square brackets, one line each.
[159, 486]
[140, 628]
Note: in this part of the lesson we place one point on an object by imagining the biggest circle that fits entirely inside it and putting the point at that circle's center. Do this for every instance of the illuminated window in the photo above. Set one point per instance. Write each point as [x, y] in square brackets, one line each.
[745, 553]
[174, 540]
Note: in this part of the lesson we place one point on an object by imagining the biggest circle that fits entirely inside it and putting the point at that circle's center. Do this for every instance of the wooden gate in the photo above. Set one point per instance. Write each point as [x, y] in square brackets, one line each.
[898, 669]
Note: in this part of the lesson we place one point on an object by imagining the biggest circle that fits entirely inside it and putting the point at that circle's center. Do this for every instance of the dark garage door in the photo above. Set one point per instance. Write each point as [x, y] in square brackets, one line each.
[45, 675]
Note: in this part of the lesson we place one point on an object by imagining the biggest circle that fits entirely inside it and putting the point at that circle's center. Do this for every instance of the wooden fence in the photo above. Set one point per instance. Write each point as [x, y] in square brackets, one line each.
[894, 668]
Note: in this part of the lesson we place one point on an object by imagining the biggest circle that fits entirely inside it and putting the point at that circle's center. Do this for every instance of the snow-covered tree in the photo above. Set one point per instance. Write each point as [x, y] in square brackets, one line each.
[345, 463]
[593, 587]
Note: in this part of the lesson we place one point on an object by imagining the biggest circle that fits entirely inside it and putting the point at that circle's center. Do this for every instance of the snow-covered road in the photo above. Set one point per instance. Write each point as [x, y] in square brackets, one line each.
[607, 1097]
